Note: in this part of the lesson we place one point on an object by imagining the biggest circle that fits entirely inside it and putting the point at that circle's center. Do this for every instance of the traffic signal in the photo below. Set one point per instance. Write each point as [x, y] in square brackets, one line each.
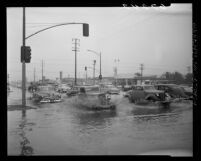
[85, 68]
[26, 54]
[22, 53]
[85, 29]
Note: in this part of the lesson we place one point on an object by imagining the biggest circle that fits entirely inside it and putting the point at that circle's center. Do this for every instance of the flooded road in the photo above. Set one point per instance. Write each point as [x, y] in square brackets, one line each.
[62, 129]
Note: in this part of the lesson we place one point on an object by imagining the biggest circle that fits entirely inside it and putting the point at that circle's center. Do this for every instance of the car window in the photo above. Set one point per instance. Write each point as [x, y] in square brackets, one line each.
[149, 88]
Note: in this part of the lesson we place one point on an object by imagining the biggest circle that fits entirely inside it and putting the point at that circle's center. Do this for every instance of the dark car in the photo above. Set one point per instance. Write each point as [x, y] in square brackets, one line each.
[188, 91]
[46, 94]
[146, 92]
[127, 88]
[73, 91]
[173, 90]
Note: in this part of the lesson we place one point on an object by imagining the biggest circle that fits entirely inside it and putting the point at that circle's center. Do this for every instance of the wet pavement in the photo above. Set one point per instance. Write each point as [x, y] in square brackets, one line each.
[62, 129]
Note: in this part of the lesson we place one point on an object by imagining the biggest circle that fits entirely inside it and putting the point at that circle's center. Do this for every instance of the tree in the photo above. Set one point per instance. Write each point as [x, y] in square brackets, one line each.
[189, 78]
[178, 77]
[138, 74]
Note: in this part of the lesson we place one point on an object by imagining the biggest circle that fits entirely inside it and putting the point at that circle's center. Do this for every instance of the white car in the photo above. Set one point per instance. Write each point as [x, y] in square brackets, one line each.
[111, 89]
[63, 88]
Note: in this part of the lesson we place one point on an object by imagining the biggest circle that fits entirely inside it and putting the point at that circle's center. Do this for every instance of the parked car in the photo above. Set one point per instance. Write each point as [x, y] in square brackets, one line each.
[73, 91]
[63, 88]
[46, 94]
[127, 88]
[127, 93]
[110, 89]
[147, 93]
[188, 91]
[173, 90]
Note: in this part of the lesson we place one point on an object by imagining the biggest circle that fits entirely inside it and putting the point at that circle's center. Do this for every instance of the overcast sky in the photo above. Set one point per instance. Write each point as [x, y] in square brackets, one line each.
[160, 38]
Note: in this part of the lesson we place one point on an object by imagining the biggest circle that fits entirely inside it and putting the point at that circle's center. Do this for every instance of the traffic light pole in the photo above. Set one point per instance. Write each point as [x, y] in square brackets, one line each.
[76, 49]
[100, 76]
[141, 68]
[99, 54]
[23, 65]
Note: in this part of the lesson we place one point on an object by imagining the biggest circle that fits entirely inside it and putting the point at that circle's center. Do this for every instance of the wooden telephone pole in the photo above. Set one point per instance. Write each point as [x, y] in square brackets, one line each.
[76, 49]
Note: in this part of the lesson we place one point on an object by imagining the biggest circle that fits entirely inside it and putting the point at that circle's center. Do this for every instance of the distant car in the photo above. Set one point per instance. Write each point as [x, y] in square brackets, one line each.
[46, 94]
[146, 93]
[110, 89]
[127, 93]
[173, 90]
[127, 88]
[188, 91]
[119, 87]
[73, 91]
[63, 88]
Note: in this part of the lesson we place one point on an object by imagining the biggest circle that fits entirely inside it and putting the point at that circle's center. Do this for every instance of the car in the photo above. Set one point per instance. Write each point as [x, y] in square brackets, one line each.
[127, 93]
[46, 94]
[73, 91]
[127, 88]
[110, 89]
[175, 91]
[188, 91]
[92, 98]
[146, 93]
[63, 88]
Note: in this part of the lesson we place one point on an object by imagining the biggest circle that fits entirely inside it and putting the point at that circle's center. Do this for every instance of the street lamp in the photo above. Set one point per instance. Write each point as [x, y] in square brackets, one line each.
[93, 68]
[99, 54]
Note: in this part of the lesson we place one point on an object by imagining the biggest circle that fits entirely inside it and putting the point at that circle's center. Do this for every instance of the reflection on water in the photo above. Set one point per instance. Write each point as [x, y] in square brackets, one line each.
[95, 119]
[161, 114]
[148, 111]
[25, 147]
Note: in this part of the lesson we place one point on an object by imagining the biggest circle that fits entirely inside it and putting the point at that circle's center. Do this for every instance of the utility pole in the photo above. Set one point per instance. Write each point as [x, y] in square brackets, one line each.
[23, 64]
[86, 73]
[42, 71]
[34, 75]
[94, 71]
[100, 76]
[99, 54]
[76, 49]
[141, 68]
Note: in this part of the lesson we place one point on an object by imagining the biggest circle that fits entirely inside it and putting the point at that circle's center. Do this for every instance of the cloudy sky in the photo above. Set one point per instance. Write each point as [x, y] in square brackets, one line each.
[159, 38]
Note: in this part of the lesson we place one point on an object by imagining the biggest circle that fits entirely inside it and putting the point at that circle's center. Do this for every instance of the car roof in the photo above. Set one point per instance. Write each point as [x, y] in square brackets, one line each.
[142, 85]
[166, 85]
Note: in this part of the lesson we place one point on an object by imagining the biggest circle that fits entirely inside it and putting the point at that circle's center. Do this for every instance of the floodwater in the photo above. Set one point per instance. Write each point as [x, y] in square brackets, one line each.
[62, 129]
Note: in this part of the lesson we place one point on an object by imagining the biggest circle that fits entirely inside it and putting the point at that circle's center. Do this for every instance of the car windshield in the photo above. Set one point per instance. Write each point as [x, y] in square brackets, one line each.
[149, 88]
[92, 89]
